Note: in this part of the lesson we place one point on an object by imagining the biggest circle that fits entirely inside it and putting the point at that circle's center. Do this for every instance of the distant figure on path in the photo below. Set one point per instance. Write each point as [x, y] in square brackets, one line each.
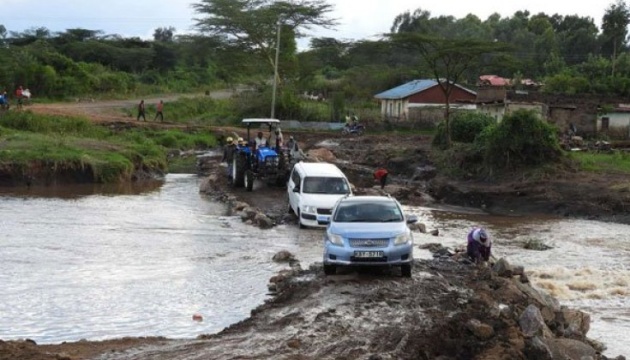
[19, 95]
[160, 107]
[141, 111]
[381, 176]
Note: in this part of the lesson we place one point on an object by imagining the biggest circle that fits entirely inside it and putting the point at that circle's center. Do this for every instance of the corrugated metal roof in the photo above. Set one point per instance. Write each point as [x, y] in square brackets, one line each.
[405, 90]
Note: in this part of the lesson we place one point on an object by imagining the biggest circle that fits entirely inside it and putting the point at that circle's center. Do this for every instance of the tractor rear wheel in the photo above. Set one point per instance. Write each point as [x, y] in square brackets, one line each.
[249, 180]
[238, 170]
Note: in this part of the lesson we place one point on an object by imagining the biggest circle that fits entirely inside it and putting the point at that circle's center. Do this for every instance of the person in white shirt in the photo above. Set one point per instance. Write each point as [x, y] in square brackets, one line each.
[261, 141]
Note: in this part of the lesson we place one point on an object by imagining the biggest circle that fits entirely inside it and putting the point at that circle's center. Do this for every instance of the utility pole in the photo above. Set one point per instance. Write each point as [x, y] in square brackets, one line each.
[275, 74]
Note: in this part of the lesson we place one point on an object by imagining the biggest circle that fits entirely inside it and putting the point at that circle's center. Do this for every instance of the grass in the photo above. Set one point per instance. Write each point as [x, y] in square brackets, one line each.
[60, 143]
[616, 162]
[201, 110]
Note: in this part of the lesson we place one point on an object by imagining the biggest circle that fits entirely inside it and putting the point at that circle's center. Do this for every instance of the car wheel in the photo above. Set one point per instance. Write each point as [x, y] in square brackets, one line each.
[405, 270]
[290, 209]
[330, 269]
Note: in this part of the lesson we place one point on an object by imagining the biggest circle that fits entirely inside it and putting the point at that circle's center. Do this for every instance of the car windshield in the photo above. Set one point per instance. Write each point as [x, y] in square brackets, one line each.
[325, 185]
[368, 212]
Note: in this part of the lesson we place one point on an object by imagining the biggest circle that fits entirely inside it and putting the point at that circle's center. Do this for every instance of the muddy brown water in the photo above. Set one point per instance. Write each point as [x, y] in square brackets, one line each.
[95, 262]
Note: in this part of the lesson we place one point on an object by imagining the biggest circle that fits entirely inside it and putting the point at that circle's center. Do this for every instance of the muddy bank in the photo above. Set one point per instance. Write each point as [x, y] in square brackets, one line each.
[604, 198]
[416, 180]
[447, 310]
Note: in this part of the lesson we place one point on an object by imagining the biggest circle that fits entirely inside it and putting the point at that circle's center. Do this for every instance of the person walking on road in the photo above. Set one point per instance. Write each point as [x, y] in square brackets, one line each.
[19, 95]
[160, 107]
[141, 111]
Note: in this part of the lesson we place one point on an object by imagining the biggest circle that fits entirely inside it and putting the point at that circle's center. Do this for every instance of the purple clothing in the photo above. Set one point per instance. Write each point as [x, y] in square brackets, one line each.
[477, 250]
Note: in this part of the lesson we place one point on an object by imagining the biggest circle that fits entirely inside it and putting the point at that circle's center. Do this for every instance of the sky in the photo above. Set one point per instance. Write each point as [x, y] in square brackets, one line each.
[358, 19]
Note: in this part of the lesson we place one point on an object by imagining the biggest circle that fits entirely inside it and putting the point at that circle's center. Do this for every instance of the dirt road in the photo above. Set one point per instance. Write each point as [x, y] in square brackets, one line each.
[110, 110]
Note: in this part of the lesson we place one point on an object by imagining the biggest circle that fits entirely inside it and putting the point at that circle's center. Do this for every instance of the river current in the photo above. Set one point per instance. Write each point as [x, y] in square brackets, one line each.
[96, 262]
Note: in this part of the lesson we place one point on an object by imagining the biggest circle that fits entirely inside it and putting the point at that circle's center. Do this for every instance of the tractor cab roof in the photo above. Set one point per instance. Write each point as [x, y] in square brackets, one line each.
[248, 122]
[261, 122]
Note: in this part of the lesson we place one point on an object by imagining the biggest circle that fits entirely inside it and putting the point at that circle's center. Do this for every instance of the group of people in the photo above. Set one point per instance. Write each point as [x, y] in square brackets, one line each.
[142, 111]
[275, 141]
[21, 95]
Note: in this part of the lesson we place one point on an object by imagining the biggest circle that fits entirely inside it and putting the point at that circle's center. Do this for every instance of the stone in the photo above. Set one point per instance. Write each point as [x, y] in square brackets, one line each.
[523, 279]
[263, 221]
[205, 187]
[570, 349]
[294, 344]
[574, 323]
[283, 256]
[518, 270]
[532, 323]
[548, 304]
[480, 330]
[435, 232]
[239, 206]
[536, 348]
[503, 268]
[420, 227]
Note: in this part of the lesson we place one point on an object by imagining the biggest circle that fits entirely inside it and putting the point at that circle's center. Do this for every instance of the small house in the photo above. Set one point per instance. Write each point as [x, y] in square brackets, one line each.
[398, 102]
[615, 122]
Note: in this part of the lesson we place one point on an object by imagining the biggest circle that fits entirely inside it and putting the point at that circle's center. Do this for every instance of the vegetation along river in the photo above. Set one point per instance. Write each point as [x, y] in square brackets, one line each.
[97, 262]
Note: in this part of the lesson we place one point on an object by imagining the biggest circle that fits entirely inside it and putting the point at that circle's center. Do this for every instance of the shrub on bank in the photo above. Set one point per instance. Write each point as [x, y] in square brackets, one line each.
[77, 150]
[465, 127]
[520, 139]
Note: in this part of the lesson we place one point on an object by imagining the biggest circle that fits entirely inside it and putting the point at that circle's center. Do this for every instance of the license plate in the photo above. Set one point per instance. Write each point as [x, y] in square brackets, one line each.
[323, 218]
[368, 254]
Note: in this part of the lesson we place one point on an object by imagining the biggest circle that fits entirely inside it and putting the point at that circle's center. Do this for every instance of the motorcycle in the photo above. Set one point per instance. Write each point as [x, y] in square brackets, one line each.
[355, 129]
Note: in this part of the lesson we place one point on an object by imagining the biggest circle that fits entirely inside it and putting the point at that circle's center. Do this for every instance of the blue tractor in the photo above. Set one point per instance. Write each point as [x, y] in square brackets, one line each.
[265, 163]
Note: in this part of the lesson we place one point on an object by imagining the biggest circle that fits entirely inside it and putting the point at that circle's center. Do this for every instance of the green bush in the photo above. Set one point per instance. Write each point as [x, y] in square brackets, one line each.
[465, 126]
[521, 138]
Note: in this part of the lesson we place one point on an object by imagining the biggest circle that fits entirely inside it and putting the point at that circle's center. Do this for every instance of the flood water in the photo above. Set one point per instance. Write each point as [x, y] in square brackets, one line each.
[89, 262]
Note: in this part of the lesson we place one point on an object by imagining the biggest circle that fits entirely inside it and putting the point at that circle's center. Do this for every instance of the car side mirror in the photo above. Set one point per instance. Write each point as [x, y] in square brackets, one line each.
[412, 219]
[296, 189]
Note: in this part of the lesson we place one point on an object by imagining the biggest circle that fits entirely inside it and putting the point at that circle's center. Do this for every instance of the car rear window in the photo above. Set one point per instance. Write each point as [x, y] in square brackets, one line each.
[325, 185]
[368, 212]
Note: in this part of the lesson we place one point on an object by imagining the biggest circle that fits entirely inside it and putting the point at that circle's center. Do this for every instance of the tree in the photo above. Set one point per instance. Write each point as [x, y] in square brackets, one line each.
[448, 60]
[3, 34]
[164, 34]
[253, 24]
[577, 37]
[615, 29]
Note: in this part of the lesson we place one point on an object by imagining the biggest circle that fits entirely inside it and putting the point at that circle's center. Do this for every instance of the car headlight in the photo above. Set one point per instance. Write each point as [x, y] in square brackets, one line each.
[335, 239]
[402, 239]
[309, 209]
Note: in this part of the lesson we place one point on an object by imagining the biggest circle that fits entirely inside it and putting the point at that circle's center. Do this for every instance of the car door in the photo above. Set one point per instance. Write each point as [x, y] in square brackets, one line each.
[294, 198]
